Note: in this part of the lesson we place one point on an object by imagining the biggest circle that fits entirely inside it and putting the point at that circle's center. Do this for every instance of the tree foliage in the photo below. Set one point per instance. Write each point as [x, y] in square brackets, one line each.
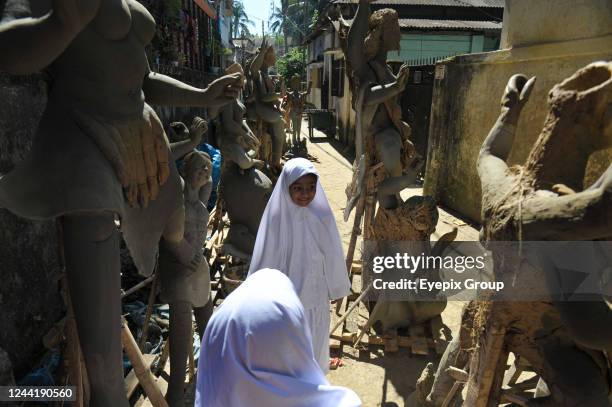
[292, 63]
[241, 21]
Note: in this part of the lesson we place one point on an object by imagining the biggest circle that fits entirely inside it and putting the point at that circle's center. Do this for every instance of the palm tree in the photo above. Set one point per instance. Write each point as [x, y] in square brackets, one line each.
[240, 21]
[278, 22]
[292, 18]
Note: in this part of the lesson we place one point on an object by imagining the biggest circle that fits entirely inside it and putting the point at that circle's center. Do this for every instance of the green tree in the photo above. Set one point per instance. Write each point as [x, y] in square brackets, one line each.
[241, 21]
[292, 63]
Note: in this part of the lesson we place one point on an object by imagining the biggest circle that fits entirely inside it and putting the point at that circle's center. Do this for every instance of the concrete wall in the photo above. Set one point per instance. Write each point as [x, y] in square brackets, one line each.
[528, 22]
[466, 101]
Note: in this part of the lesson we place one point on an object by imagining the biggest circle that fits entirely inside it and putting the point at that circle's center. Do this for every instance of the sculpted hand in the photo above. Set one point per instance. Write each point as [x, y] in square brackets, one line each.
[197, 129]
[517, 92]
[223, 90]
[155, 149]
[402, 76]
[74, 15]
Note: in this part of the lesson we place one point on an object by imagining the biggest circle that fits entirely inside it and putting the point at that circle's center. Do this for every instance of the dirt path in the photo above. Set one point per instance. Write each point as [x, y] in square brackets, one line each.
[379, 380]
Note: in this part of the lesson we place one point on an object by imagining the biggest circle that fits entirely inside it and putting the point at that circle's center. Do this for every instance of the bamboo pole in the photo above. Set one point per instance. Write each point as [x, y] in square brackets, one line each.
[138, 286]
[143, 372]
[351, 308]
[150, 303]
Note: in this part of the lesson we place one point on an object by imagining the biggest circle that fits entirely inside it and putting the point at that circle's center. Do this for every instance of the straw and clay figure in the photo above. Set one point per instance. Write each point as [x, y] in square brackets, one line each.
[186, 290]
[99, 155]
[267, 101]
[545, 200]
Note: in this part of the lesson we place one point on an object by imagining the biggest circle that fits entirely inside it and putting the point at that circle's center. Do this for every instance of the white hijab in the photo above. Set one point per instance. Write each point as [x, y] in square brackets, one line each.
[286, 232]
[257, 352]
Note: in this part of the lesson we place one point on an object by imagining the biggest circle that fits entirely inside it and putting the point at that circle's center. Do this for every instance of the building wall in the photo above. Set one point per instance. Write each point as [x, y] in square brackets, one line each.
[466, 101]
[423, 45]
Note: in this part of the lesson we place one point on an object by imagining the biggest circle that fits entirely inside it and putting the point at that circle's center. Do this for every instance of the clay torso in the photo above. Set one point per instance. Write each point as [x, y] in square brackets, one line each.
[109, 79]
[196, 219]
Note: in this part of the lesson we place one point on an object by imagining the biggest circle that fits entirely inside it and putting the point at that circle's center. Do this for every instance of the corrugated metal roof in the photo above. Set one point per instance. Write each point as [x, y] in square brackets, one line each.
[424, 24]
[445, 3]
[449, 24]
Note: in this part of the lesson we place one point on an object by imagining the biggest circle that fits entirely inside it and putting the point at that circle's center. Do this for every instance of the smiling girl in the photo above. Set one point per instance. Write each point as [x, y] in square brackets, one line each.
[298, 236]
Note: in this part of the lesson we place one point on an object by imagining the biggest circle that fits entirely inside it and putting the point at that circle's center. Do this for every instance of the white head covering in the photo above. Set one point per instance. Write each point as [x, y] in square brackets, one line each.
[257, 352]
[286, 232]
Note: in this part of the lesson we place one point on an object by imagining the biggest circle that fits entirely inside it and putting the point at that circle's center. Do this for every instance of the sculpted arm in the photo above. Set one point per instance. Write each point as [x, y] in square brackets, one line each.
[29, 44]
[257, 62]
[356, 36]
[197, 129]
[163, 90]
[492, 167]
[586, 215]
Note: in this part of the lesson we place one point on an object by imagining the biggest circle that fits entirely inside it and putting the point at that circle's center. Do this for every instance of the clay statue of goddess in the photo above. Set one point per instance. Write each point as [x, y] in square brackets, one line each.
[296, 99]
[99, 155]
[183, 288]
[267, 101]
[238, 143]
[370, 38]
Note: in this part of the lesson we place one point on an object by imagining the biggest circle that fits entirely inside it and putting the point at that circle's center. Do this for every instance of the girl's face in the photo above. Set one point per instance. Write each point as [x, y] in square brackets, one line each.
[303, 190]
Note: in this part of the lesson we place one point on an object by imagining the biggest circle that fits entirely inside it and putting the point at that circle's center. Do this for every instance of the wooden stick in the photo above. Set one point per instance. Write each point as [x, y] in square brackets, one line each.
[451, 394]
[150, 303]
[350, 255]
[164, 357]
[145, 377]
[351, 308]
[367, 326]
[138, 286]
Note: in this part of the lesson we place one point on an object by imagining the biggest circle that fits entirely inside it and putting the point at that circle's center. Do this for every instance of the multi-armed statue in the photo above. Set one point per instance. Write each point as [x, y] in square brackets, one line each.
[379, 125]
[100, 155]
[266, 102]
[386, 160]
[241, 178]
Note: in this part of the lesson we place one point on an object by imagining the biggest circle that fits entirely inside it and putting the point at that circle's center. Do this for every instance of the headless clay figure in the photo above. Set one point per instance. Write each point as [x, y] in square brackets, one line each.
[562, 340]
[544, 199]
[296, 100]
[370, 38]
[238, 143]
[182, 287]
[99, 154]
[267, 101]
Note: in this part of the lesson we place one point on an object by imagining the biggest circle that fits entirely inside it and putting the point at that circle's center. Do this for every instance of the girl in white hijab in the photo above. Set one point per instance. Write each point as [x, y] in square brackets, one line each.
[257, 352]
[298, 236]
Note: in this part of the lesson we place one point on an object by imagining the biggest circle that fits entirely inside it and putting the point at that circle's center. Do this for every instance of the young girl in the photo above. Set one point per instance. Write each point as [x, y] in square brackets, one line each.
[298, 236]
[257, 351]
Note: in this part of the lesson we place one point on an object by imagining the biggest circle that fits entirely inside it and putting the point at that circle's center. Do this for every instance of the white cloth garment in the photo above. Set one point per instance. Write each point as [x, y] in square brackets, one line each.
[302, 242]
[256, 352]
[318, 322]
